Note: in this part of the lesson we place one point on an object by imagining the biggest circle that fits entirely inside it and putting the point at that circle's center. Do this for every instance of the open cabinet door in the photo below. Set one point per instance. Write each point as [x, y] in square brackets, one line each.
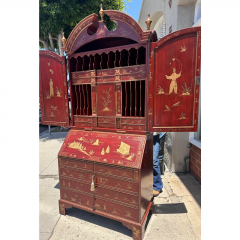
[174, 78]
[53, 89]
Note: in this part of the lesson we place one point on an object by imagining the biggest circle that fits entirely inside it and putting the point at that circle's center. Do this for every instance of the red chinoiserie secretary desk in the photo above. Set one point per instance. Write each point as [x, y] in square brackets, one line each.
[124, 85]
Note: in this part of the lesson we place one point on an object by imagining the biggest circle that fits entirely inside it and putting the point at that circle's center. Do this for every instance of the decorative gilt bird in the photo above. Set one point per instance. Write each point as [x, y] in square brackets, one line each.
[167, 108]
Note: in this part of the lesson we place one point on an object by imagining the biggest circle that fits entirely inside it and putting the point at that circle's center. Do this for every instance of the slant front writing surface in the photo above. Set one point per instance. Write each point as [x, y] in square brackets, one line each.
[53, 89]
[111, 148]
[173, 90]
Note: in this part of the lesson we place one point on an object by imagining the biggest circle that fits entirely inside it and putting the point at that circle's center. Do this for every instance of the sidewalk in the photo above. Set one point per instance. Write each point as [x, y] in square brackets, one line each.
[177, 210]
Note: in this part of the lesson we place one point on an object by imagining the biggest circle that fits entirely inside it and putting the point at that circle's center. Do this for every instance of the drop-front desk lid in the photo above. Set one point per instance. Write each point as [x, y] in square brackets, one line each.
[112, 148]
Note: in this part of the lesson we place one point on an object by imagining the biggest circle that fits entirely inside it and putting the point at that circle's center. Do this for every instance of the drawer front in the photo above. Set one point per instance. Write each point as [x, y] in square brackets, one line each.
[85, 176]
[106, 120]
[78, 186]
[116, 209]
[114, 171]
[133, 127]
[106, 125]
[133, 121]
[77, 198]
[82, 119]
[117, 196]
[79, 124]
[120, 184]
[76, 164]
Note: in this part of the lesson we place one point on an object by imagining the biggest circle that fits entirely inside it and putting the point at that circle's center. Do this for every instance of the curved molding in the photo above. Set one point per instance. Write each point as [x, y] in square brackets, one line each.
[51, 54]
[127, 28]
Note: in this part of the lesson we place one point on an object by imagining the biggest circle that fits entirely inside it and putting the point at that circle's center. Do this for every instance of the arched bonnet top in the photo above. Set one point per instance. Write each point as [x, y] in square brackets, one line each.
[127, 27]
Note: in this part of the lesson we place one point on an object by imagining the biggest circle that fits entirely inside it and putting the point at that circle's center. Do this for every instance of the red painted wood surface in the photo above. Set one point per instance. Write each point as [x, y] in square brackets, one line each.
[121, 150]
[53, 89]
[173, 83]
[106, 100]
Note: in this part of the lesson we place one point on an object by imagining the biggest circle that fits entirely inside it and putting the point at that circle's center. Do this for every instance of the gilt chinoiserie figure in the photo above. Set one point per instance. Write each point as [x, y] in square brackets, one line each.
[124, 84]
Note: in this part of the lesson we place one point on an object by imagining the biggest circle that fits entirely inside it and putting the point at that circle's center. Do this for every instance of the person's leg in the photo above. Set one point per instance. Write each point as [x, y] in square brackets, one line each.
[157, 181]
[161, 147]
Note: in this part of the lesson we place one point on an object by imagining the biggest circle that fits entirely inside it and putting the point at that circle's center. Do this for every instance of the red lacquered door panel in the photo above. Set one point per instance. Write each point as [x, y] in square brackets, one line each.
[174, 73]
[53, 89]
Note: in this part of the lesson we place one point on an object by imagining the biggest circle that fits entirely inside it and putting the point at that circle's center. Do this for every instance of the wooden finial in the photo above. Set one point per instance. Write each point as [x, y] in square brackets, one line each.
[148, 22]
[63, 39]
[101, 12]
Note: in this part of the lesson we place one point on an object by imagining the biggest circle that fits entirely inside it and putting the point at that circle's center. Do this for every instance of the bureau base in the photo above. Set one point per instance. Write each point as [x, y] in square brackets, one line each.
[138, 230]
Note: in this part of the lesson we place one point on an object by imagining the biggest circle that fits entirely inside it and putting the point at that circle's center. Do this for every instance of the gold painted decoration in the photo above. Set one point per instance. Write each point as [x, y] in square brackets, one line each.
[103, 152]
[123, 149]
[52, 114]
[48, 63]
[62, 208]
[150, 111]
[160, 90]
[182, 116]
[51, 88]
[136, 232]
[173, 78]
[96, 205]
[183, 49]
[65, 195]
[78, 146]
[177, 104]
[115, 211]
[91, 152]
[128, 214]
[133, 201]
[51, 71]
[81, 176]
[108, 149]
[186, 90]
[130, 157]
[152, 53]
[104, 207]
[167, 108]
[106, 100]
[58, 92]
[53, 107]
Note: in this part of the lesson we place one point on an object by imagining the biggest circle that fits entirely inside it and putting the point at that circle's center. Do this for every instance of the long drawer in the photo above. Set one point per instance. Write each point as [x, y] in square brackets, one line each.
[119, 184]
[77, 198]
[116, 196]
[76, 164]
[116, 209]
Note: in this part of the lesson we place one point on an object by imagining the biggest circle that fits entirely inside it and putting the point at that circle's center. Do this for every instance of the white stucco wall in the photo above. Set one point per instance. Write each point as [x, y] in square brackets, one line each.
[154, 7]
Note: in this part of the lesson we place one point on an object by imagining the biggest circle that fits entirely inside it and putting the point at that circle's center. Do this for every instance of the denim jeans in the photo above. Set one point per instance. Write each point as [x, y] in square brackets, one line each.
[158, 154]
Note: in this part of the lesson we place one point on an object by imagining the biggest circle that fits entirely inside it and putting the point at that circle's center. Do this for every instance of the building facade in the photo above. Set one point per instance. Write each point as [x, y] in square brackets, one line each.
[181, 149]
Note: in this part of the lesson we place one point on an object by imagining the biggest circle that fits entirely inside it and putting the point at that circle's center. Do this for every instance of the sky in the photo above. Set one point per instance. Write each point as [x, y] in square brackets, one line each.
[134, 8]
